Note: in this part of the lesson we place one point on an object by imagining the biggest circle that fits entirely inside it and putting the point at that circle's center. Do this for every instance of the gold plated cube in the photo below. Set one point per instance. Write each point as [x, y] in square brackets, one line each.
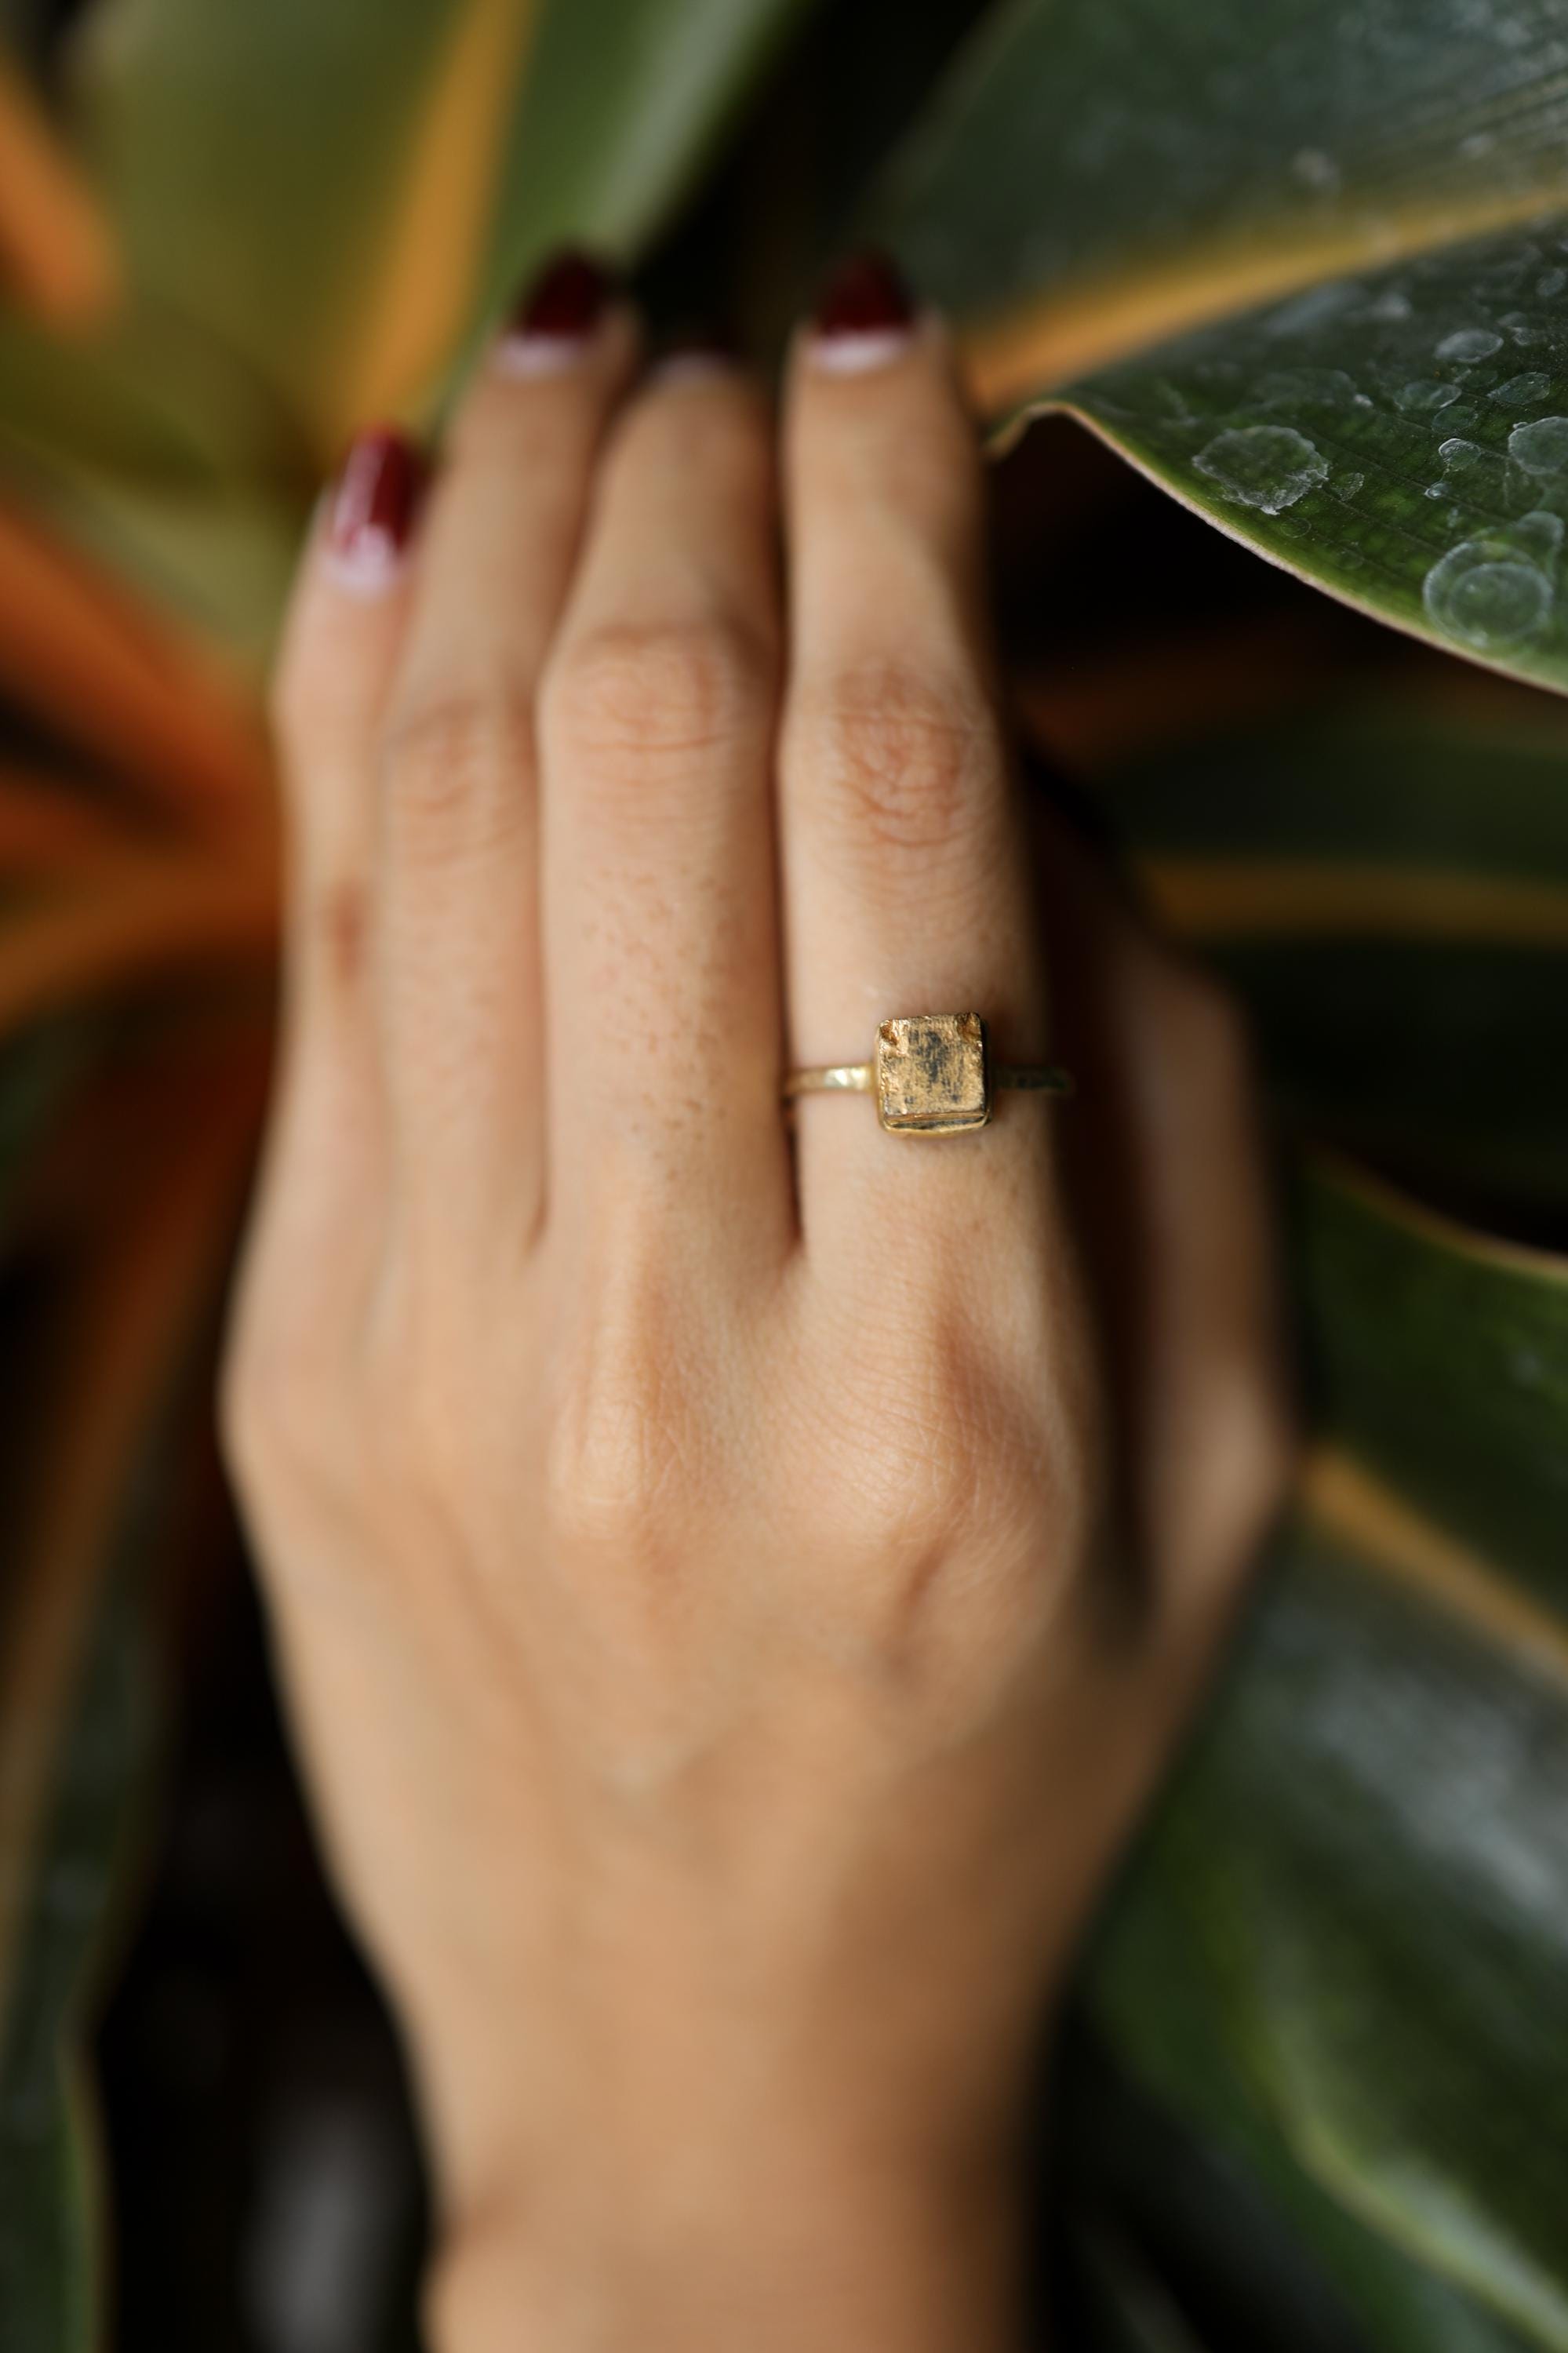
[931, 1075]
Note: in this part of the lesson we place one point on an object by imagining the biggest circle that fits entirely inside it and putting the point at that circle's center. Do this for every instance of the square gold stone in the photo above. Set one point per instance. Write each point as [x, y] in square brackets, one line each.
[931, 1073]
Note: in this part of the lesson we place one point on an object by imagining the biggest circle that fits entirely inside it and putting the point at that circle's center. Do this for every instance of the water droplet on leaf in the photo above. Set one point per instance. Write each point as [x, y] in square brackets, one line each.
[1459, 455]
[1264, 466]
[1304, 312]
[1469, 343]
[1541, 447]
[1485, 604]
[1420, 398]
[1496, 590]
[1391, 305]
[1521, 390]
[1314, 168]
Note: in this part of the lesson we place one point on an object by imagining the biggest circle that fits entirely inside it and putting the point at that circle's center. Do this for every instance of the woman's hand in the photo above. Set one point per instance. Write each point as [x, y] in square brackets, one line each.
[736, 1578]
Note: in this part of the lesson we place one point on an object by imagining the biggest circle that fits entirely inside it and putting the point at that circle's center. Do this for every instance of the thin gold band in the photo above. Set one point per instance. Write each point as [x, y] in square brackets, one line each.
[860, 1079]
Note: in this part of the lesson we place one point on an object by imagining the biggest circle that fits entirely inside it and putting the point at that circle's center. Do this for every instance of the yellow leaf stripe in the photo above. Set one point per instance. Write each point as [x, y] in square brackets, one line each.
[1221, 898]
[57, 251]
[1536, 1265]
[1349, 1502]
[1023, 351]
[447, 188]
[81, 655]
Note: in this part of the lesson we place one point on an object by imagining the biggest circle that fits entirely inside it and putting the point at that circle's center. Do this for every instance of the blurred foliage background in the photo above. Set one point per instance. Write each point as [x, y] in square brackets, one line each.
[1276, 279]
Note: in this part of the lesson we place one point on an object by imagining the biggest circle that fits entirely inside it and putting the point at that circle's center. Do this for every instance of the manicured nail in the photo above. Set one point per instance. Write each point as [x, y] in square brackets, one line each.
[866, 318]
[558, 316]
[691, 353]
[373, 509]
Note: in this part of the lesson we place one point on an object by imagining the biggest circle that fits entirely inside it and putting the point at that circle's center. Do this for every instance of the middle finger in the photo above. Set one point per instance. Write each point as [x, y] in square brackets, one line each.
[656, 726]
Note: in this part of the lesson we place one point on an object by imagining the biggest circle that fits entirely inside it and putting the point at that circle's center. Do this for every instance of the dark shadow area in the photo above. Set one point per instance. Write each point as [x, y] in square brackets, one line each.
[267, 2185]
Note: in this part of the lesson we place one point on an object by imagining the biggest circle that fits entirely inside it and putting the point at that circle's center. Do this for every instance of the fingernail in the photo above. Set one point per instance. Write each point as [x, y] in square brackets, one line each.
[558, 317]
[689, 354]
[373, 510]
[866, 318]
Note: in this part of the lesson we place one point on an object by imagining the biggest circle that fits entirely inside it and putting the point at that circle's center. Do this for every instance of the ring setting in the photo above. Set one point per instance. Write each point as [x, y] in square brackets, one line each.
[932, 1074]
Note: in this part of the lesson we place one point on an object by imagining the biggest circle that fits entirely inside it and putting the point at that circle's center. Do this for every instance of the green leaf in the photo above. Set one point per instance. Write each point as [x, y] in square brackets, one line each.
[623, 104]
[1398, 438]
[1124, 159]
[1388, 893]
[319, 211]
[1096, 179]
[1443, 1363]
[251, 159]
[1341, 1949]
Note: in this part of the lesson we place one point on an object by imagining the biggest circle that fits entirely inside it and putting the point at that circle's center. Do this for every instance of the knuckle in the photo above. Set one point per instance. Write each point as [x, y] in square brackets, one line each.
[630, 691]
[945, 1476]
[624, 1449]
[896, 760]
[458, 766]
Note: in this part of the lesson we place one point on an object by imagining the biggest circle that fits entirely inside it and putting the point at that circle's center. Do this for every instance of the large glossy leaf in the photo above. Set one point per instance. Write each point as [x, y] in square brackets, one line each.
[1341, 1952]
[1097, 178]
[1399, 439]
[1386, 886]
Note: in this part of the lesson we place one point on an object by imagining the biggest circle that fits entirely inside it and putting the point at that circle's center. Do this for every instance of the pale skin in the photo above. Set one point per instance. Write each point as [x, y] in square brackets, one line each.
[737, 1579]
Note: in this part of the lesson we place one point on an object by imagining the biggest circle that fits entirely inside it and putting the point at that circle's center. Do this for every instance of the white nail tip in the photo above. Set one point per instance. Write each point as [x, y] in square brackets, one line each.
[529, 357]
[860, 354]
[369, 567]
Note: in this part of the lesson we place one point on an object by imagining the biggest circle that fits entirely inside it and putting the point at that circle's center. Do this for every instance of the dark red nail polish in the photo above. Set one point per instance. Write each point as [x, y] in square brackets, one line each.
[867, 296]
[375, 504]
[567, 301]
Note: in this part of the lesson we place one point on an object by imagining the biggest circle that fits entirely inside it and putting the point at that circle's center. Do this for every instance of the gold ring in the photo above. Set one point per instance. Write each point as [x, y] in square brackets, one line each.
[932, 1076]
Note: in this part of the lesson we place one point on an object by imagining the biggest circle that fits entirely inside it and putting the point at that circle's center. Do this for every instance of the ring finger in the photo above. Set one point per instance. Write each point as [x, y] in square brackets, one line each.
[905, 879]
